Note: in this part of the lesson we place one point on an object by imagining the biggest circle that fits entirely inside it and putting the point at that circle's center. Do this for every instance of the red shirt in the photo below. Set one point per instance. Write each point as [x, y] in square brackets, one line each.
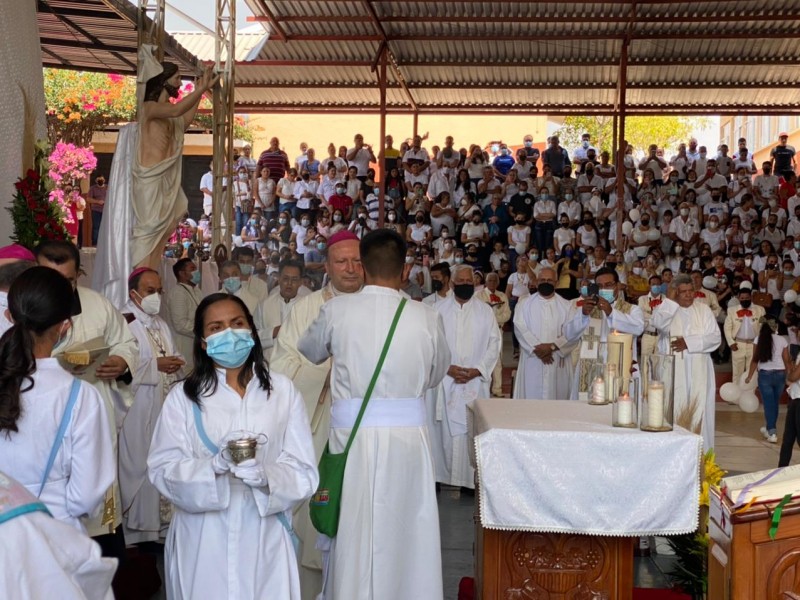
[277, 162]
[342, 203]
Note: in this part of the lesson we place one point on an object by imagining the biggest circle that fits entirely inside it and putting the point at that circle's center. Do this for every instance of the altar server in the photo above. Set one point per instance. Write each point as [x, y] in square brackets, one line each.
[37, 396]
[474, 342]
[689, 331]
[271, 312]
[388, 540]
[182, 301]
[145, 516]
[499, 304]
[545, 364]
[57, 561]
[231, 535]
[14, 259]
[742, 325]
[595, 317]
[93, 316]
[345, 276]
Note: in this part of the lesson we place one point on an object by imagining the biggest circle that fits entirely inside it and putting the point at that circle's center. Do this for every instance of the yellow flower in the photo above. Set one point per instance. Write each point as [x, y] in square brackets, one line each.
[712, 475]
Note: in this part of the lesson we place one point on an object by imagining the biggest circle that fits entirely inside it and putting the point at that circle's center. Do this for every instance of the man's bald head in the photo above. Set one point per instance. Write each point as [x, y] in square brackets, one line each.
[547, 275]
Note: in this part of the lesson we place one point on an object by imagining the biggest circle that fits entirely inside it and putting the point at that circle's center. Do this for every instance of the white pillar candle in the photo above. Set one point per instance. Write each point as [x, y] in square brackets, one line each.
[611, 383]
[655, 404]
[598, 392]
[624, 410]
[626, 340]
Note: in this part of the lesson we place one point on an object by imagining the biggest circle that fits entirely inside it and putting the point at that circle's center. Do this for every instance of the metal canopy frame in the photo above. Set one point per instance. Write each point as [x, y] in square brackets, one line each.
[472, 57]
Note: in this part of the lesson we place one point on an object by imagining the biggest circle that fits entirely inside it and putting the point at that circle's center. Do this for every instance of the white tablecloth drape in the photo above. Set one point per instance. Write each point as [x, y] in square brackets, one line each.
[556, 466]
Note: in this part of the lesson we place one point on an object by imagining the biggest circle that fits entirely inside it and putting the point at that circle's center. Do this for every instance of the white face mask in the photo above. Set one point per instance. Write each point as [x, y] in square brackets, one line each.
[151, 304]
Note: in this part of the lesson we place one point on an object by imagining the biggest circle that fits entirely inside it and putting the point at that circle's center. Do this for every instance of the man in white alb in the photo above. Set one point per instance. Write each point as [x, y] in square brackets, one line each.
[387, 544]
[689, 331]
[345, 276]
[182, 302]
[501, 308]
[474, 341]
[145, 515]
[271, 313]
[544, 364]
[742, 324]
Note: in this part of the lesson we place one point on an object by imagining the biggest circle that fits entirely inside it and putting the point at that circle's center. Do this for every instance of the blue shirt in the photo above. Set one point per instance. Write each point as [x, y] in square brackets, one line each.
[503, 164]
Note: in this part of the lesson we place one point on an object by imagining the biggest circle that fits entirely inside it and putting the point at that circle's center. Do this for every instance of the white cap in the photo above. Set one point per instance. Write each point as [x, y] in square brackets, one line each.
[709, 282]
[745, 285]
[790, 296]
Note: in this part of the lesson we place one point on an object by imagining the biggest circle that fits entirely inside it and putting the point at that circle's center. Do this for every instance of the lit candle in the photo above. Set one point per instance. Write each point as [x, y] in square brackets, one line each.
[655, 404]
[626, 339]
[624, 410]
[598, 391]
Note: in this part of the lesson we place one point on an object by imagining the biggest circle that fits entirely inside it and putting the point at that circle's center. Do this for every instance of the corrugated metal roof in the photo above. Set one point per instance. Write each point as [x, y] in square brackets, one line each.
[97, 35]
[472, 55]
[202, 44]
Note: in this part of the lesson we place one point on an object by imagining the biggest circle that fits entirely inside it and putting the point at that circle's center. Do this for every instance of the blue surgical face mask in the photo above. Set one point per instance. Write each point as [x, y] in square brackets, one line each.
[528, 144]
[232, 284]
[186, 244]
[246, 269]
[377, 191]
[230, 348]
[584, 291]
[607, 295]
[495, 148]
[321, 246]
[196, 277]
[585, 143]
[655, 290]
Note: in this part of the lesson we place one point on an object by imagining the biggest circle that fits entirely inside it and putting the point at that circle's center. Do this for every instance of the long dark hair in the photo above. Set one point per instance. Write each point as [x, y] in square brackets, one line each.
[763, 351]
[38, 299]
[203, 378]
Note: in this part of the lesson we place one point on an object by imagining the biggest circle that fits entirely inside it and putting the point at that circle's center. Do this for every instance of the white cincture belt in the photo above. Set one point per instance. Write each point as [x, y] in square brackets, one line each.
[381, 412]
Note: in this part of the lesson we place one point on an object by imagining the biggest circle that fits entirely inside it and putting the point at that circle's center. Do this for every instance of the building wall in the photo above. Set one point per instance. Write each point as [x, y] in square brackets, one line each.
[321, 129]
[761, 133]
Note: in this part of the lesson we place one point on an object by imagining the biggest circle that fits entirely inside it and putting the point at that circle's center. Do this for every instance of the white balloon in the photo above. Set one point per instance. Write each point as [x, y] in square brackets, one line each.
[748, 402]
[748, 387]
[635, 215]
[790, 296]
[520, 248]
[653, 235]
[627, 228]
[730, 392]
[639, 236]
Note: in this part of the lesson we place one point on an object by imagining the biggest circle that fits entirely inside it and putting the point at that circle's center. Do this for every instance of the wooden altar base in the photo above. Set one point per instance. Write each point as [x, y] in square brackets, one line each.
[513, 565]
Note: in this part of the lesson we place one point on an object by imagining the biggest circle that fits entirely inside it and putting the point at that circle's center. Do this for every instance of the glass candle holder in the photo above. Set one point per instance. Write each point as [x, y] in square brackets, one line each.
[657, 398]
[624, 410]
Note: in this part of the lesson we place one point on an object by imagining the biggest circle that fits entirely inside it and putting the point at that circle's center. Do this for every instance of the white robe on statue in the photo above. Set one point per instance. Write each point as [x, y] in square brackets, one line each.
[98, 318]
[624, 318]
[537, 321]
[85, 465]
[388, 541]
[312, 382]
[474, 342]
[41, 557]
[695, 383]
[142, 516]
[226, 541]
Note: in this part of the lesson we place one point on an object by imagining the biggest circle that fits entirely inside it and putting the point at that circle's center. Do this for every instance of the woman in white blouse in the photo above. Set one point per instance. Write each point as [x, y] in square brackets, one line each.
[44, 411]
[231, 534]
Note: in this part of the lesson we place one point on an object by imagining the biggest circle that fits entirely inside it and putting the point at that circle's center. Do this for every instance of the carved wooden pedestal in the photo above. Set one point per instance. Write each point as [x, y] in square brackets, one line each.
[745, 564]
[516, 565]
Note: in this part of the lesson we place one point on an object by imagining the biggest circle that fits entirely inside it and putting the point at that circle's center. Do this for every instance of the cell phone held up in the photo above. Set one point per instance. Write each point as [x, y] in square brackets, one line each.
[594, 291]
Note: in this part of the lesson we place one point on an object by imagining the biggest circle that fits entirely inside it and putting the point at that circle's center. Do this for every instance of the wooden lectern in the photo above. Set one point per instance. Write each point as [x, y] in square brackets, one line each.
[744, 563]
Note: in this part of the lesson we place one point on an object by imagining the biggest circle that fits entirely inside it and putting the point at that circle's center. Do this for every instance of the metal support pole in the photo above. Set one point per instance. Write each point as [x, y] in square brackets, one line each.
[222, 127]
[621, 179]
[382, 141]
[154, 34]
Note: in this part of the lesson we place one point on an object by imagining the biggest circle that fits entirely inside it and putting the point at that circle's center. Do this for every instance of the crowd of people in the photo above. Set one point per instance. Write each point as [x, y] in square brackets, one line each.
[704, 265]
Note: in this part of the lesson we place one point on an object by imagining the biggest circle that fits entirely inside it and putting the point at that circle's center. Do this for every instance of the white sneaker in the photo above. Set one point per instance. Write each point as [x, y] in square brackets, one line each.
[773, 439]
[764, 432]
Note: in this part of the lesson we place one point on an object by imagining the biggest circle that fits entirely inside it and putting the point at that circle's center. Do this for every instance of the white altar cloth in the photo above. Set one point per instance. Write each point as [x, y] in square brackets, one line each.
[560, 467]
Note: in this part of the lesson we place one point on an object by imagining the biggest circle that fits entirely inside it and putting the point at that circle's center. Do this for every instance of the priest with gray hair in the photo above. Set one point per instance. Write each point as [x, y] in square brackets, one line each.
[688, 330]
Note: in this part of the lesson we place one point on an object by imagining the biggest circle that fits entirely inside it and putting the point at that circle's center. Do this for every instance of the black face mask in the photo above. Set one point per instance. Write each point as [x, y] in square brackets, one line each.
[437, 285]
[546, 289]
[464, 291]
[420, 219]
[745, 303]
